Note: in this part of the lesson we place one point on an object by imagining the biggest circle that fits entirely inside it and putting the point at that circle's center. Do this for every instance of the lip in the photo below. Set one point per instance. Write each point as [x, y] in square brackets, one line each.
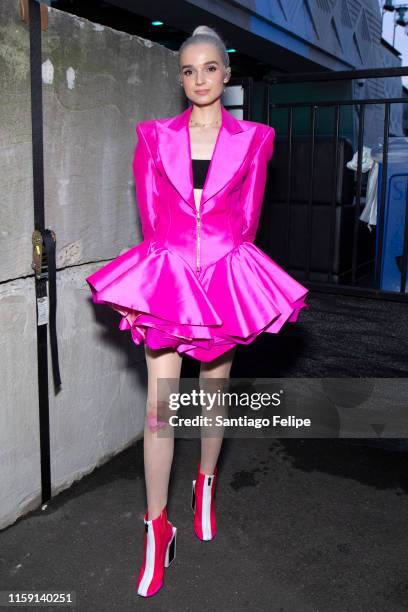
[202, 92]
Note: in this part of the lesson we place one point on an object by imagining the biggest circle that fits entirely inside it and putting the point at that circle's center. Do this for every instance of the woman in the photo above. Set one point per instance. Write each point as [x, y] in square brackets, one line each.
[196, 285]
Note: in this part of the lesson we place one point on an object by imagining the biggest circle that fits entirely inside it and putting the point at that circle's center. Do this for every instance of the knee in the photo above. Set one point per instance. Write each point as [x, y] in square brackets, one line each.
[153, 423]
[156, 415]
[210, 382]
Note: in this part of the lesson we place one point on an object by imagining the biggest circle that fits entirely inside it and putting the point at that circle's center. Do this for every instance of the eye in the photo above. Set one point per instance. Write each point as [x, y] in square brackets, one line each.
[186, 72]
[212, 68]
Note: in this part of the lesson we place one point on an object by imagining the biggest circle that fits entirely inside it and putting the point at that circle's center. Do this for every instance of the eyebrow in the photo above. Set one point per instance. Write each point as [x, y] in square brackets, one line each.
[205, 63]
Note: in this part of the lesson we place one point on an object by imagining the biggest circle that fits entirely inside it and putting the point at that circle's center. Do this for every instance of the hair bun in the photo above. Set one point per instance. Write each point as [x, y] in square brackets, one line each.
[203, 29]
[203, 33]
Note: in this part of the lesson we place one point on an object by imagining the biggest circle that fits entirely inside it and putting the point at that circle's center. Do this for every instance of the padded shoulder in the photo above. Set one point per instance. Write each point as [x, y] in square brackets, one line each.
[147, 130]
[263, 128]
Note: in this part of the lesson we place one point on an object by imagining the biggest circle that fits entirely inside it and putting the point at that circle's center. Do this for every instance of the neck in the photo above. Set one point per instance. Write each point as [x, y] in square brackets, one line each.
[206, 114]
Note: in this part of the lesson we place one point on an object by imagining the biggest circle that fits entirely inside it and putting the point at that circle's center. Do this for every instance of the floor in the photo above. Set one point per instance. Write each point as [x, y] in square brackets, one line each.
[304, 525]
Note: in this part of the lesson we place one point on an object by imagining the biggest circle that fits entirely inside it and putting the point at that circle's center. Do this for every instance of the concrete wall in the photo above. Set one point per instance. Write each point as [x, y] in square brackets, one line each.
[97, 84]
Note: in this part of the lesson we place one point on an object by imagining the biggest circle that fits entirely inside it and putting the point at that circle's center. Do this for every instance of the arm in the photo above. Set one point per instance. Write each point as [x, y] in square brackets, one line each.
[254, 186]
[146, 181]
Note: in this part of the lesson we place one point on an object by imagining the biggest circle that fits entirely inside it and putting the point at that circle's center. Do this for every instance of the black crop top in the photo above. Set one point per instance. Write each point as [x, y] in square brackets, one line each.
[200, 169]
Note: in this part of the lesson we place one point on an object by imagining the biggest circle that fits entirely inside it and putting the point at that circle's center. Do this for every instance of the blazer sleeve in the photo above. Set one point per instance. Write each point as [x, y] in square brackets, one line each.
[254, 186]
[146, 183]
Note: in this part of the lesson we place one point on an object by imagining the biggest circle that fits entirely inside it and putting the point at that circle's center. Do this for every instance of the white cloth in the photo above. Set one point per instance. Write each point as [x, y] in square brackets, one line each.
[369, 214]
[366, 163]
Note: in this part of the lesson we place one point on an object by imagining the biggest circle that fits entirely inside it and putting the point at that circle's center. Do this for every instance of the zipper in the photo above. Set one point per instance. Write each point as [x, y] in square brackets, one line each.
[198, 227]
[198, 218]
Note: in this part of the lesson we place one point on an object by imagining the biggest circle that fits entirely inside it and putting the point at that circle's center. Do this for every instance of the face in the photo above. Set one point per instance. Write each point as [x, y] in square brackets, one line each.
[202, 70]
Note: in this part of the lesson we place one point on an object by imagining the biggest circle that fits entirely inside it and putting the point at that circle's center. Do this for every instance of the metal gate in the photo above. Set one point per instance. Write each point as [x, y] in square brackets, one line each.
[310, 223]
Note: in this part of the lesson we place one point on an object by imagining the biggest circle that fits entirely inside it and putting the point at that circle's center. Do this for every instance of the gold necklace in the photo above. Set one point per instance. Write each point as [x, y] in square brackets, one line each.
[192, 122]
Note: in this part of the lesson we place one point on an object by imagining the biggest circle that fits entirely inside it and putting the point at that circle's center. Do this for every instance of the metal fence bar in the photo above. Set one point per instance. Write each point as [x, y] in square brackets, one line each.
[336, 127]
[380, 217]
[357, 210]
[337, 75]
[340, 102]
[370, 292]
[405, 250]
[310, 191]
[289, 191]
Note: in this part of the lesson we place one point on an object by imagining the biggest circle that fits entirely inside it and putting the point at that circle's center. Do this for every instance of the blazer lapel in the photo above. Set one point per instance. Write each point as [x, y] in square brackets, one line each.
[231, 148]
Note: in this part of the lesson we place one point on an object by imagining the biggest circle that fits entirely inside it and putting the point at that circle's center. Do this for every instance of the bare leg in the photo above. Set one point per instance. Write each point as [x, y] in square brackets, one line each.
[158, 450]
[211, 444]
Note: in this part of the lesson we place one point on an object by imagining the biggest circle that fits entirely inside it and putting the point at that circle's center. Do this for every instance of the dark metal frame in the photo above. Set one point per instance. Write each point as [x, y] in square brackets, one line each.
[330, 286]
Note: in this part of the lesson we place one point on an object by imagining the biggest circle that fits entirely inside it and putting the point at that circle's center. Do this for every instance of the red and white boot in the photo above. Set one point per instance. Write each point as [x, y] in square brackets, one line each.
[202, 504]
[159, 552]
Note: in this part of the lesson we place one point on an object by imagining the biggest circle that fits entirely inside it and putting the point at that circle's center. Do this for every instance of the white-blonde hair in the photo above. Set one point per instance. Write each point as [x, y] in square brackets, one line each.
[203, 33]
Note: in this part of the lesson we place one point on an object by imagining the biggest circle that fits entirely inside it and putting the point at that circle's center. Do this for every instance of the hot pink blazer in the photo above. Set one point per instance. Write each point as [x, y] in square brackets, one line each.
[197, 282]
[232, 195]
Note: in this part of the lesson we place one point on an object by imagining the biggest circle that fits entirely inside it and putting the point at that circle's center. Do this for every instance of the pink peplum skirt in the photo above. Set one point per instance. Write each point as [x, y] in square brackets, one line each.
[165, 304]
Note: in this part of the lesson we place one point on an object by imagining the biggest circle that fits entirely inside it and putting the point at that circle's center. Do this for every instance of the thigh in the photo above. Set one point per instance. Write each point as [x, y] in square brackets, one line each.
[214, 378]
[219, 367]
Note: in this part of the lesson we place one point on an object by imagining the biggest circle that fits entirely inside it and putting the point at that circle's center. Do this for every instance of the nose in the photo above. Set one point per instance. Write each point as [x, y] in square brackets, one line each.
[199, 78]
